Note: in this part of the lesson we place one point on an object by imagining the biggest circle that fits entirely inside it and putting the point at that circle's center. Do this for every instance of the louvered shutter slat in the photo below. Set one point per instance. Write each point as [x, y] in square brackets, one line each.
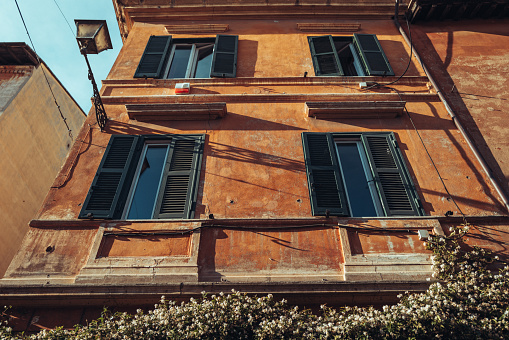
[325, 183]
[325, 58]
[178, 197]
[105, 197]
[372, 55]
[396, 190]
[154, 57]
[224, 60]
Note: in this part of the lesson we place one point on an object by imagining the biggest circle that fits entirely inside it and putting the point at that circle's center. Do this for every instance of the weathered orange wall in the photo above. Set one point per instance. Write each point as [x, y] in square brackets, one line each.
[118, 245]
[253, 166]
[273, 255]
[469, 60]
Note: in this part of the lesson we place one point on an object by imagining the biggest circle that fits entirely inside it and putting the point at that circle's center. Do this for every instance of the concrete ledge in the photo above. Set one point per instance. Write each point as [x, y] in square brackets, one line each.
[328, 27]
[176, 111]
[279, 277]
[308, 294]
[266, 98]
[357, 109]
[197, 28]
[280, 9]
[253, 81]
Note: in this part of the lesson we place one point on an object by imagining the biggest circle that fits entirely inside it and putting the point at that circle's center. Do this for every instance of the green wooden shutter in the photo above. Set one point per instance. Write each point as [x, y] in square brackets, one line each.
[106, 196]
[395, 187]
[224, 60]
[177, 199]
[325, 58]
[325, 182]
[154, 57]
[373, 57]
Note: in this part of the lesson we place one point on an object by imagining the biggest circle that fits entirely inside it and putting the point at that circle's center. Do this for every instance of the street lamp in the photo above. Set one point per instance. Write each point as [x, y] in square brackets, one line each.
[93, 37]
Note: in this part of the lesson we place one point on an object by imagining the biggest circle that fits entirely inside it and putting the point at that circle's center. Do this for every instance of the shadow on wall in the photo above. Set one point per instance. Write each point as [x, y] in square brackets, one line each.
[246, 58]
[431, 57]
[491, 237]
[397, 48]
[232, 121]
[238, 154]
[269, 251]
[207, 255]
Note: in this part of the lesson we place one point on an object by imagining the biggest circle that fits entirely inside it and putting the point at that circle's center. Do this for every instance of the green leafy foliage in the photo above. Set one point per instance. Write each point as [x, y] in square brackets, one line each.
[469, 300]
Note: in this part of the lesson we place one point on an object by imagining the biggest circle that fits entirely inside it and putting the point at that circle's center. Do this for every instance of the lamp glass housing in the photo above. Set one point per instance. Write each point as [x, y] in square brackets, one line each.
[93, 36]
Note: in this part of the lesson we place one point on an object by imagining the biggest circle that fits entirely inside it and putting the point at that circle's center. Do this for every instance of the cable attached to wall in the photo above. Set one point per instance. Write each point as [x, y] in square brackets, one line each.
[44, 73]
[69, 25]
[378, 85]
[407, 66]
[429, 156]
[307, 226]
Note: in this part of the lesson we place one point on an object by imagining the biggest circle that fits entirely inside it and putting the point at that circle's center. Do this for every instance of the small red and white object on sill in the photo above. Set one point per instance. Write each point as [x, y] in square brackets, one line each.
[182, 88]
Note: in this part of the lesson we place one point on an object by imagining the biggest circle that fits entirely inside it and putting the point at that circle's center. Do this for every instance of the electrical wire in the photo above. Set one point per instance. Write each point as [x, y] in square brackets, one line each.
[187, 231]
[44, 73]
[378, 85]
[69, 25]
[429, 156]
[434, 165]
[408, 65]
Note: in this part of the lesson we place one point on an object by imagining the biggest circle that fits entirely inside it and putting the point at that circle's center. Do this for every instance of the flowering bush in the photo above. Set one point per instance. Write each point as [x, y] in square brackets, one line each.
[470, 300]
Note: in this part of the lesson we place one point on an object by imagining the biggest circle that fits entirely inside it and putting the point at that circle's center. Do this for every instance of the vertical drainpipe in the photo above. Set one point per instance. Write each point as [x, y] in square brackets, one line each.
[472, 146]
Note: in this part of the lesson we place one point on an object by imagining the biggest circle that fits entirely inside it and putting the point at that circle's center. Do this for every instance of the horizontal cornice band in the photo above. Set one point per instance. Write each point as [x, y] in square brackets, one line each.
[249, 81]
[18, 293]
[269, 98]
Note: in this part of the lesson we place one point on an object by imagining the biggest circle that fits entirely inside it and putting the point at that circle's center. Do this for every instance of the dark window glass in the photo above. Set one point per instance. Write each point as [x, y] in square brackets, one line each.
[180, 61]
[204, 62]
[344, 48]
[358, 192]
[149, 180]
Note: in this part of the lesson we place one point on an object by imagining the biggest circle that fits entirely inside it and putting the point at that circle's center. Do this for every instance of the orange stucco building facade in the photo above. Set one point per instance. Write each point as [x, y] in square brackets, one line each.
[268, 198]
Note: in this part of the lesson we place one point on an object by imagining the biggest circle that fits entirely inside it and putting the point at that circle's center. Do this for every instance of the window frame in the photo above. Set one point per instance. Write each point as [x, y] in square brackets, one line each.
[363, 55]
[192, 62]
[329, 197]
[137, 173]
[115, 197]
[367, 174]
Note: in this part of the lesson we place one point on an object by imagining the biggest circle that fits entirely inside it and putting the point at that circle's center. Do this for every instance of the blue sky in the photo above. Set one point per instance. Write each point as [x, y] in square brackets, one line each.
[55, 42]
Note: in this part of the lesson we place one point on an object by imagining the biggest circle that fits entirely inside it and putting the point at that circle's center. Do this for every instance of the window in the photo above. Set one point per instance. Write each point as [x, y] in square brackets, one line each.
[360, 55]
[190, 60]
[146, 177]
[358, 175]
[165, 57]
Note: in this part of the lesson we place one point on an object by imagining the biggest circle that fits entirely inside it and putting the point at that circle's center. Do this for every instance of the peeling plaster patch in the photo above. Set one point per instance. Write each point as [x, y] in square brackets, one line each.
[9, 89]
[271, 206]
[262, 175]
[225, 172]
[445, 143]
[411, 243]
[269, 214]
[390, 245]
[60, 214]
[257, 204]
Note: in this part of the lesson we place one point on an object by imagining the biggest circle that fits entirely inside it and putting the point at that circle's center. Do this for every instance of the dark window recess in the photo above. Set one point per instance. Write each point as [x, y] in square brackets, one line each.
[359, 55]
[346, 170]
[165, 57]
[146, 177]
